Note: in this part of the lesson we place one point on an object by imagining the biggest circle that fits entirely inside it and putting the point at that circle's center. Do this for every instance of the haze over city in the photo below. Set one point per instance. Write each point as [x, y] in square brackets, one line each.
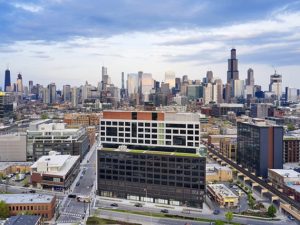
[48, 40]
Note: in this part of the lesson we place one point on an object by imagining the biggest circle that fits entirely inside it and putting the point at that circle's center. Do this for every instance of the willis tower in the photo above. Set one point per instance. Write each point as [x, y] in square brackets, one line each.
[7, 84]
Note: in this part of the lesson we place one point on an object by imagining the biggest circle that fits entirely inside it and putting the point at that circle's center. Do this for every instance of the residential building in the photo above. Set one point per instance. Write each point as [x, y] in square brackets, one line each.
[260, 146]
[45, 137]
[217, 173]
[260, 110]
[228, 147]
[12, 147]
[223, 195]
[82, 119]
[291, 148]
[36, 204]
[144, 128]
[55, 171]
[173, 178]
[24, 220]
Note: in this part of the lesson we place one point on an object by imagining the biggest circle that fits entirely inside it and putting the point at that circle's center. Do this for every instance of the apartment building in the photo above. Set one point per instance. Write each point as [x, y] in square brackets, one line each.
[291, 147]
[83, 119]
[155, 129]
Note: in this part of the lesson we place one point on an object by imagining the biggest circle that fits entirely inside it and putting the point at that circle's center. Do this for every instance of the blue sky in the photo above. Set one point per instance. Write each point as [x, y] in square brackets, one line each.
[48, 40]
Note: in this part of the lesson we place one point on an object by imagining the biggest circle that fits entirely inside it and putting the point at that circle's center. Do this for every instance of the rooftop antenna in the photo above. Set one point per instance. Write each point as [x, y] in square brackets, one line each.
[274, 69]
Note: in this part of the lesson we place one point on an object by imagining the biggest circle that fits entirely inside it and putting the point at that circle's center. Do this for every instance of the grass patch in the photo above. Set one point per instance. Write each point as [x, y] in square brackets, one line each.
[100, 221]
[170, 216]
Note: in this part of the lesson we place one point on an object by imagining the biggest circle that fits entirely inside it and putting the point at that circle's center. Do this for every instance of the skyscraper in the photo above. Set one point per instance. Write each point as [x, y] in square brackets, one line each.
[170, 78]
[276, 84]
[7, 84]
[232, 73]
[74, 97]
[209, 77]
[51, 95]
[250, 77]
[19, 84]
[132, 83]
[67, 93]
[30, 86]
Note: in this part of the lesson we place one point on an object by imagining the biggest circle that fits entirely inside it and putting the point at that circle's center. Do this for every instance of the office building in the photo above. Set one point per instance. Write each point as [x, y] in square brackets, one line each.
[223, 109]
[67, 93]
[209, 77]
[170, 79]
[260, 110]
[7, 82]
[208, 93]
[74, 97]
[291, 94]
[195, 92]
[276, 85]
[30, 86]
[43, 137]
[238, 88]
[82, 119]
[232, 72]
[6, 107]
[20, 84]
[143, 128]
[35, 204]
[55, 171]
[250, 77]
[12, 147]
[260, 146]
[223, 195]
[50, 94]
[152, 176]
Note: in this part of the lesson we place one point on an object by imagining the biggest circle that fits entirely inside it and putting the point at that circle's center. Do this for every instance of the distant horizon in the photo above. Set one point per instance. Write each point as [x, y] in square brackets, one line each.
[188, 37]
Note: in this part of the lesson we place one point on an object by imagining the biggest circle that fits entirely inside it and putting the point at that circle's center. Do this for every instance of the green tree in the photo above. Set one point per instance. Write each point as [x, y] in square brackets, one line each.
[251, 201]
[229, 216]
[4, 210]
[44, 116]
[272, 211]
[25, 182]
[291, 127]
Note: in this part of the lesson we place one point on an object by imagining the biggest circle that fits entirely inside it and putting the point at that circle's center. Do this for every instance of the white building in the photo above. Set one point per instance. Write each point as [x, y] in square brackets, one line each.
[170, 78]
[276, 84]
[13, 147]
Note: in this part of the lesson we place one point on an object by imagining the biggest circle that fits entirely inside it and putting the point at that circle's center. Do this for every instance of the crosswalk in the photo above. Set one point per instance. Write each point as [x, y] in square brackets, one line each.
[79, 215]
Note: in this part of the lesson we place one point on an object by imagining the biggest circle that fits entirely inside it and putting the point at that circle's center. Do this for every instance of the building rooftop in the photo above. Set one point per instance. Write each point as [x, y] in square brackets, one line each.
[222, 190]
[151, 152]
[211, 167]
[23, 220]
[286, 173]
[296, 187]
[26, 198]
[55, 164]
[5, 165]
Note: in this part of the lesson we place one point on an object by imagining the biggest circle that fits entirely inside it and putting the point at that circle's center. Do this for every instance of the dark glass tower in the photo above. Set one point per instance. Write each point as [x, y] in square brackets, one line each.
[7, 80]
[232, 73]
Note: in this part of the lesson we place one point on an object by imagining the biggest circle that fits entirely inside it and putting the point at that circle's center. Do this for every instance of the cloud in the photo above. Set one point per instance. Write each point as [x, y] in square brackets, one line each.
[28, 7]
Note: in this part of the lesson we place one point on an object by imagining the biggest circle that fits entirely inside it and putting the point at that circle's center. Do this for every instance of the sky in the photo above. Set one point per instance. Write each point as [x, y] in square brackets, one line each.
[67, 41]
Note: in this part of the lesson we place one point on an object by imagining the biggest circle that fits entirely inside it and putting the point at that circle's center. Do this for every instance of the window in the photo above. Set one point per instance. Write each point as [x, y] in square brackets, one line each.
[111, 131]
[154, 116]
[134, 115]
[121, 123]
[115, 123]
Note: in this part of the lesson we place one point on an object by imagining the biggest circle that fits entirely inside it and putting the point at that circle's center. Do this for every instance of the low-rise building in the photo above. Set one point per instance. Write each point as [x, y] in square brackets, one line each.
[36, 204]
[24, 220]
[12, 147]
[223, 108]
[83, 119]
[223, 195]
[291, 148]
[215, 172]
[228, 147]
[55, 171]
[14, 167]
[215, 139]
[45, 137]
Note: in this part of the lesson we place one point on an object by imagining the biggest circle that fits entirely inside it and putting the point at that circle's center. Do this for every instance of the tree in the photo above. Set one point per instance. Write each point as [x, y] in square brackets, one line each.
[229, 216]
[272, 211]
[291, 127]
[44, 116]
[4, 210]
[251, 201]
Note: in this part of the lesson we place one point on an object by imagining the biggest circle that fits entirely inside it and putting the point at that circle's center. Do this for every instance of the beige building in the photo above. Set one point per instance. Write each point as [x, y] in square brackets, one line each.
[228, 147]
[215, 172]
[223, 195]
[12, 147]
[280, 177]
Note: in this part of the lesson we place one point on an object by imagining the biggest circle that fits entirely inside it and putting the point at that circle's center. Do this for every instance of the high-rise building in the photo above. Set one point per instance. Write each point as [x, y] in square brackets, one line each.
[123, 91]
[177, 83]
[291, 94]
[147, 85]
[67, 93]
[51, 89]
[170, 78]
[74, 97]
[250, 77]
[19, 83]
[232, 73]
[132, 83]
[208, 93]
[30, 86]
[238, 88]
[260, 146]
[7, 83]
[209, 77]
[218, 91]
[6, 107]
[138, 154]
[276, 84]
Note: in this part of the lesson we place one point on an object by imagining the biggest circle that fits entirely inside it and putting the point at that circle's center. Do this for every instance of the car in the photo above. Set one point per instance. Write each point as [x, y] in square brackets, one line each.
[291, 218]
[71, 196]
[216, 212]
[164, 211]
[78, 183]
[138, 205]
[114, 205]
[32, 191]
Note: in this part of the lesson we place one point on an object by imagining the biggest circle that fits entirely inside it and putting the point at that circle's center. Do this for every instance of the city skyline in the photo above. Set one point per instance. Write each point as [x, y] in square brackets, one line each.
[167, 39]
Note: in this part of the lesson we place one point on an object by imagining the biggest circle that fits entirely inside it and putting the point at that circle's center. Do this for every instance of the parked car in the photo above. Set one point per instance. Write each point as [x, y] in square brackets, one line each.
[291, 218]
[216, 212]
[32, 191]
[138, 205]
[164, 211]
[114, 205]
[78, 183]
[71, 196]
